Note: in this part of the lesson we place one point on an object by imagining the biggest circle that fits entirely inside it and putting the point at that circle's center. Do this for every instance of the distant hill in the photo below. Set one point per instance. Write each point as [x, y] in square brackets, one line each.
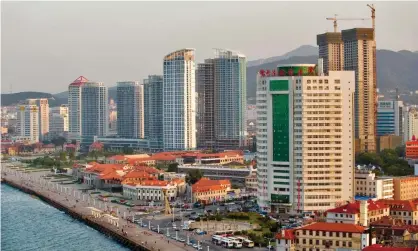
[395, 70]
[304, 50]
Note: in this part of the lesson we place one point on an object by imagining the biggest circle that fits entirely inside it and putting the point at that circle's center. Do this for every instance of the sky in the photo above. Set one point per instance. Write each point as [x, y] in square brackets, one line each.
[47, 45]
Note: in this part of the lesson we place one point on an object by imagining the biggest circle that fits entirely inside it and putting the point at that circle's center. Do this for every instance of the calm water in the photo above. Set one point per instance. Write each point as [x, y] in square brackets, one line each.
[28, 223]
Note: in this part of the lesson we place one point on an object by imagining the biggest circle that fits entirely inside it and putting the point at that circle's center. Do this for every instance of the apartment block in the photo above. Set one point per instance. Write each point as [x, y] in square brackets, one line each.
[305, 138]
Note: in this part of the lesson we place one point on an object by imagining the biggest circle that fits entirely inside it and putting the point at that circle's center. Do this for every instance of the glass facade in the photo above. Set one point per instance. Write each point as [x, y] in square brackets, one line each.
[280, 104]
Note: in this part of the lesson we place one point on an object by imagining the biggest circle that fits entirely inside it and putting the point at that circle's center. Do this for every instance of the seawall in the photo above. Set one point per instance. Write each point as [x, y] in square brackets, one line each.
[123, 240]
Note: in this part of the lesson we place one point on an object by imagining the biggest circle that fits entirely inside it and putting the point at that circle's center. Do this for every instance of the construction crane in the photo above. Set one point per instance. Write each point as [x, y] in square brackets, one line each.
[373, 17]
[340, 19]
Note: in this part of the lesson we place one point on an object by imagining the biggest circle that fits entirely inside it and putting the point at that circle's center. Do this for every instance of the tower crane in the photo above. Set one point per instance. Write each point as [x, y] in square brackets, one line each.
[340, 19]
[373, 18]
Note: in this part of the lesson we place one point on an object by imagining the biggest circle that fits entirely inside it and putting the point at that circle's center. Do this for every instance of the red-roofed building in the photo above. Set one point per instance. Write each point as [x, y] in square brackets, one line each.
[221, 158]
[394, 230]
[105, 176]
[207, 190]
[350, 213]
[116, 159]
[379, 247]
[323, 236]
[406, 210]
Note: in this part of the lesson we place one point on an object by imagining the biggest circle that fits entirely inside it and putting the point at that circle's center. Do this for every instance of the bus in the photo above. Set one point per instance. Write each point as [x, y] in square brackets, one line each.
[216, 239]
[225, 233]
[227, 243]
[237, 244]
[248, 243]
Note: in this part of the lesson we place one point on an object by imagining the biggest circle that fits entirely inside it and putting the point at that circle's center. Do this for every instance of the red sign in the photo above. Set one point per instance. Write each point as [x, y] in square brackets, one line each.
[268, 73]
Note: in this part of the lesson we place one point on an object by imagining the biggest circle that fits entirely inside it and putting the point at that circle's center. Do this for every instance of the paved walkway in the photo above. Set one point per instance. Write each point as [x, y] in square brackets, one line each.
[72, 198]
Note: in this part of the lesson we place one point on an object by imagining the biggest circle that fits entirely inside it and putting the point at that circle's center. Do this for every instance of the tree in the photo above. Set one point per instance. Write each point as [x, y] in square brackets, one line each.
[63, 156]
[127, 150]
[59, 141]
[400, 150]
[173, 167]
[193, 176]
[71, 155]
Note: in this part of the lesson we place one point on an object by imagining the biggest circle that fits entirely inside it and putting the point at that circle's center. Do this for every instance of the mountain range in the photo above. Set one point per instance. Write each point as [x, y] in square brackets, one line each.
[394, 70]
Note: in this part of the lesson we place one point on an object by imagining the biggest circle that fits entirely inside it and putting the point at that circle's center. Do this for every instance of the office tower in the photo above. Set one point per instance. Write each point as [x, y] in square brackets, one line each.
[331, 50]
[179, 109]
[43, 107]
[74, 107]
[153, 101]
[390, 118]
[94, 111]
[360, 56]
[230, 99]
[305, 147]
[205, 81]
[410, 123]
[130, 109]
[28, 122]
[58, 121]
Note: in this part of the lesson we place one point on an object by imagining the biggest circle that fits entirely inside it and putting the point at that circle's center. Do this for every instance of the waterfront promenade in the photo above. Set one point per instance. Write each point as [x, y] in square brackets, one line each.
[82, 205]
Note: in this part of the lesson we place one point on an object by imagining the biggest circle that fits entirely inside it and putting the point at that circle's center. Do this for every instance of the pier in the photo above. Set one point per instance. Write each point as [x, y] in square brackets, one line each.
[119, 229]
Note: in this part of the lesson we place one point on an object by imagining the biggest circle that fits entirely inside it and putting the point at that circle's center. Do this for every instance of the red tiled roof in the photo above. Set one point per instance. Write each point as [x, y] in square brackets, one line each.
[354, 208]
[205, 184]
[400, 205]
[379, 247]
[288, 234]
[333, 227]
[117, 157]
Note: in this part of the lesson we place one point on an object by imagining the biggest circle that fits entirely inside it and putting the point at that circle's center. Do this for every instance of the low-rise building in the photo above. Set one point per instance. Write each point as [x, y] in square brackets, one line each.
[251, 183]
[104, 176]
[368, 185]
[207, 190]
[405, 188]
[380, 247]
[220, 158]
[233, 173]
[323, 236]
[150, 190]
[394, 231]
[406, 210]
[359, 212]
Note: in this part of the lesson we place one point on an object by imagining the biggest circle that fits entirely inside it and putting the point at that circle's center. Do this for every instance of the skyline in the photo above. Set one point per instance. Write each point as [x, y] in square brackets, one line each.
[99, 49]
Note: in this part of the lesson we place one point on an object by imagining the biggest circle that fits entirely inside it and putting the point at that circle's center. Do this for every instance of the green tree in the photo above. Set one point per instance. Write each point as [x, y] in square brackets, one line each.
[366, 158]
[59, 141]
[400, 150]
[71, 155]
[63, 156]
[173, 167]
[193, 176]
[127, 150]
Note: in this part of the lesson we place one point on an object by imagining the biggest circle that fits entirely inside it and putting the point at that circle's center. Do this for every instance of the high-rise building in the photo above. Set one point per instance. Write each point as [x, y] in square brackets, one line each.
[390, 118]
[230, 69]
[130, 109]
[58, 121]
[410, 123]
[360, 56]
[222, 92]
[74, 107]
[153, 102]
[305, 138]
[28, 122]
[43, 121]
[94, 111]
[205, 81]
[179, 108]
[331, 50]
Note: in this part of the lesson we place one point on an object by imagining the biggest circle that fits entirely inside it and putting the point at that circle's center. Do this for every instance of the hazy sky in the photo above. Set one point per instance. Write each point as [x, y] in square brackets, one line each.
[46, 45]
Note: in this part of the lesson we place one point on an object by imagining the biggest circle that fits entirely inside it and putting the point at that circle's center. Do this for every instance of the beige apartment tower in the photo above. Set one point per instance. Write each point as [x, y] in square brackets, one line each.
[355, 50]
[331, 50]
